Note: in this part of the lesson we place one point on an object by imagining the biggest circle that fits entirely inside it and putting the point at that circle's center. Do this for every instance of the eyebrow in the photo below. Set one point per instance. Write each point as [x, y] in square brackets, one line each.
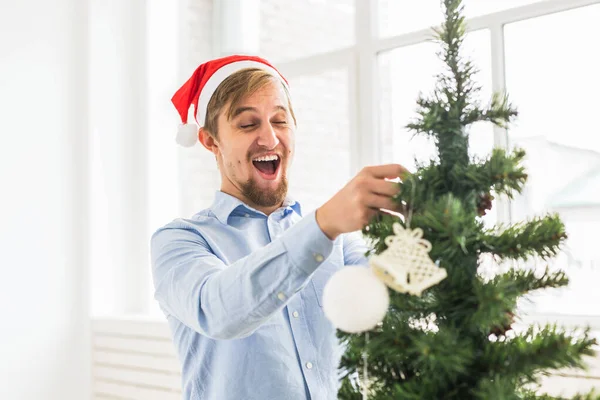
[240, 110]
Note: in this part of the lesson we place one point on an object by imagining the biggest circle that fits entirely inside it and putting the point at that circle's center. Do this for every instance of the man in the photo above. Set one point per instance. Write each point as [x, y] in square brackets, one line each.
[241, 282]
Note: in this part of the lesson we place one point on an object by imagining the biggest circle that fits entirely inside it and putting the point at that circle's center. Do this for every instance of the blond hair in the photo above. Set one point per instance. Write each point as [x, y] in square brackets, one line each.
[234, 89]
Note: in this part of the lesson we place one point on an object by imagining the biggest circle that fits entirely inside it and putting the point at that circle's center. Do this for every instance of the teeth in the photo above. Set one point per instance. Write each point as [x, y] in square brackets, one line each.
[267, 158]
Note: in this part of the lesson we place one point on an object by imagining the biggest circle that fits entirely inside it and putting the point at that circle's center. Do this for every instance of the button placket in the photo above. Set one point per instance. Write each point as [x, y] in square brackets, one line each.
[305, 346]
[274, 228]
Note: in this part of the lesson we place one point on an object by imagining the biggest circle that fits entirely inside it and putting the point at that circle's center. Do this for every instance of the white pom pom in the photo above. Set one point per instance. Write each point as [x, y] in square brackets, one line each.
[355, 300]
[187, 135]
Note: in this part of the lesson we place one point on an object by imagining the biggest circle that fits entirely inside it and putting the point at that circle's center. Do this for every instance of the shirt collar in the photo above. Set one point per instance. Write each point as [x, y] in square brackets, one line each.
[224, 204]
[293, 204]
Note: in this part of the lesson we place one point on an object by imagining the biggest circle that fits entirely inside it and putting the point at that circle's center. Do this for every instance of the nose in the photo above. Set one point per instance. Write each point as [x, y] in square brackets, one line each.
[267, 136]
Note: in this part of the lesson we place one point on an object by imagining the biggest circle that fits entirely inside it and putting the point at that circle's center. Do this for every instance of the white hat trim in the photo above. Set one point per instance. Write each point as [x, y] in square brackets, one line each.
[219, 76]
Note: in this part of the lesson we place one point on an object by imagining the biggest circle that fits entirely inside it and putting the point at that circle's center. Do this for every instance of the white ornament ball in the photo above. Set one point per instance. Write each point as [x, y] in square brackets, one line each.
[355, 300]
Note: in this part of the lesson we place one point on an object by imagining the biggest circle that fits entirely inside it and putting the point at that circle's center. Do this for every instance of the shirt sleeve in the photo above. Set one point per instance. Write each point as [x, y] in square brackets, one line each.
[231, 301]
[355, 249]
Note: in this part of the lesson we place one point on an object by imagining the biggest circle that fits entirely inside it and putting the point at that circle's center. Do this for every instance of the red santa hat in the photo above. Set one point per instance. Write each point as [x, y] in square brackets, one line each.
[203, 83]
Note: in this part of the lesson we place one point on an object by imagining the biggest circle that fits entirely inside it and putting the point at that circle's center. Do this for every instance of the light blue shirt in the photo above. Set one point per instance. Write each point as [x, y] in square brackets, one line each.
[242, 293]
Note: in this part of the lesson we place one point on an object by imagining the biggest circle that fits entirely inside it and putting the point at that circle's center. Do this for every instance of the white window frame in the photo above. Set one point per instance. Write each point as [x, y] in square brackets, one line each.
[361, 62]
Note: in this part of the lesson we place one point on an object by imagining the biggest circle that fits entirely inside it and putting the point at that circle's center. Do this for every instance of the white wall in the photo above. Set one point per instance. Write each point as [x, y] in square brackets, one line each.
[44, 326]
[119, 141]
[198, 175]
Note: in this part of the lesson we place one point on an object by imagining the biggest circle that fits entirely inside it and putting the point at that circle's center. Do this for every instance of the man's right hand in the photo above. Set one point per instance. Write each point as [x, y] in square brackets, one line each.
[360, 200]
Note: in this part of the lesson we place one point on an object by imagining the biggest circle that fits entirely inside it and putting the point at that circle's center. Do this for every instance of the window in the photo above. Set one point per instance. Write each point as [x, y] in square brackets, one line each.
[402, 16]
[290, 33]
[322, 138]
[296, 29]
[552, 77]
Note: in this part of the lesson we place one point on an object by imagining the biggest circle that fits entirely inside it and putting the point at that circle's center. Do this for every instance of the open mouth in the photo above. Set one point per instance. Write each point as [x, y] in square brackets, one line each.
[267, 166]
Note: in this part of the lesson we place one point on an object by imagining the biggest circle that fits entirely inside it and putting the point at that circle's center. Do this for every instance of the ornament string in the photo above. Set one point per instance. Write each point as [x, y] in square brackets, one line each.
[365, 384]
[409, 205]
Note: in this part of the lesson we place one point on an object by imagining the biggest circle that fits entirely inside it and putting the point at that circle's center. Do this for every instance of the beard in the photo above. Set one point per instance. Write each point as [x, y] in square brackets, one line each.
[262, 197]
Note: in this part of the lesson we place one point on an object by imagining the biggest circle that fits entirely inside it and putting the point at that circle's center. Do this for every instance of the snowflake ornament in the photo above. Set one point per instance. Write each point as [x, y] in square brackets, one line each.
[405, 265]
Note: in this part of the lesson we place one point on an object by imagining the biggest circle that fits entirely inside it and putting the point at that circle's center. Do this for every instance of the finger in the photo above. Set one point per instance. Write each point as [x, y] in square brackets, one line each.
[384, 188]
[389, 171]
[377, 201]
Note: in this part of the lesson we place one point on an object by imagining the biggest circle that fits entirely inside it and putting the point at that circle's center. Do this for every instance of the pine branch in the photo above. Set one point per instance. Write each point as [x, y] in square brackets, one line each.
[416, 191]
[416, 389]
[432, 117]
[495, 299]
[502, 172]
[386, 349]
[493, 302]
[349, 389]
[426, 184]
[500, 112]
[533, 395]
[496, 387]
[444, 222]
[441, 116]
[441, 358]
[531, 352]
[450, 37]
[378, 229]
[452, 227]
[541, 236]
[525, 280]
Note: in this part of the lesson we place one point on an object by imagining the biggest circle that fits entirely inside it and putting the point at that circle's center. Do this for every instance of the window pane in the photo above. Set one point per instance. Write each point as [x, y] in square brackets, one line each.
[322, 138]
[555, 89]
[300, 28]
[407, 71]
[402, 16]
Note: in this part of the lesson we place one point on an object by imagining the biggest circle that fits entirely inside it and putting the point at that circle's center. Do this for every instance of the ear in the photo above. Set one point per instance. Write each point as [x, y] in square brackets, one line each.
[208, 141]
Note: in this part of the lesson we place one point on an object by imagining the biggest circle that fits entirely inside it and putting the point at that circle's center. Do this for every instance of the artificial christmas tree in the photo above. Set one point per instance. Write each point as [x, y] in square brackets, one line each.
[451, 342]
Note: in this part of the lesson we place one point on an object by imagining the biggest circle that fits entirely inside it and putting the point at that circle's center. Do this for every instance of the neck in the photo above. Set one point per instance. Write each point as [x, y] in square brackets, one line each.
[238, 195]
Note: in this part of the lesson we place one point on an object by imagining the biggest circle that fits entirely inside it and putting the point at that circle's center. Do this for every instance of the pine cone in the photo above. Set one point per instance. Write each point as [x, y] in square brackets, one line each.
[484, 204]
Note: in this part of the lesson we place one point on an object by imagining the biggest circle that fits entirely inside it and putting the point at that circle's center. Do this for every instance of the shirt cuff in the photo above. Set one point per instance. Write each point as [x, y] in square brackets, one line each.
[306, 244]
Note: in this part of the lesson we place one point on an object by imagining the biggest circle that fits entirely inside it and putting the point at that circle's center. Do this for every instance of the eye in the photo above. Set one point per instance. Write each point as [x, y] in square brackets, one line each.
[280, 122]
[247, 126]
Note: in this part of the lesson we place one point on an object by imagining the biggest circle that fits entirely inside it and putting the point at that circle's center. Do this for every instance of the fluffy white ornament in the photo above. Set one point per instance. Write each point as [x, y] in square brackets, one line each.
[354, 300]
[187, 135]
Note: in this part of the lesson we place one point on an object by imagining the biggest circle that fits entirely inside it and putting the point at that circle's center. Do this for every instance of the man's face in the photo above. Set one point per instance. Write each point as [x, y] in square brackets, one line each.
[254, 149]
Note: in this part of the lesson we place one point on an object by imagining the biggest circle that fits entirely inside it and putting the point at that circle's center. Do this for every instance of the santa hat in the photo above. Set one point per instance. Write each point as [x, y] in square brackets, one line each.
[203, 83]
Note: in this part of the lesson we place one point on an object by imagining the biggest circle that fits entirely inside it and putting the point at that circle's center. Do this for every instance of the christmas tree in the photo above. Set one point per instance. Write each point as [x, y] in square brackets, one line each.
[451, 342]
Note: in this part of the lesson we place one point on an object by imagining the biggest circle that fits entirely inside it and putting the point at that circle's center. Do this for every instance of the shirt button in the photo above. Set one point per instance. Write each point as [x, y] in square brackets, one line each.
[309, 365]
[295, 314]
[319, 257]
[281, 296]
[247, 215]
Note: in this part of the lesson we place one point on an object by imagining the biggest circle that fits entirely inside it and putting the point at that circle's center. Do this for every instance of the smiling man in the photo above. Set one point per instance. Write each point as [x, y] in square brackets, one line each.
[241, 282]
